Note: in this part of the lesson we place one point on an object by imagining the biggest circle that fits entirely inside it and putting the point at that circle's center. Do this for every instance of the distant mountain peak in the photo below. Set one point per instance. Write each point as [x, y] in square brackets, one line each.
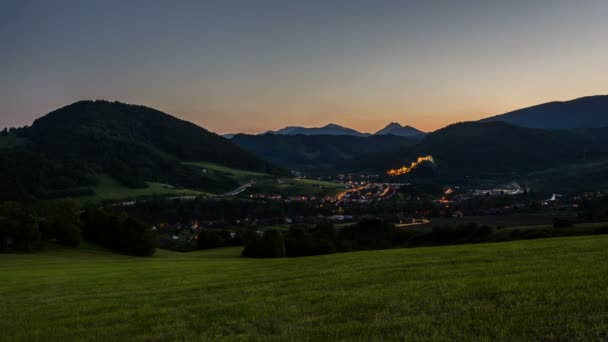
[395, 128]
[332, 125]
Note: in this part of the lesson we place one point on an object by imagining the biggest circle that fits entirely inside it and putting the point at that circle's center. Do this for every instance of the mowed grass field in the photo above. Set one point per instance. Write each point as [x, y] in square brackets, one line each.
[551, 290]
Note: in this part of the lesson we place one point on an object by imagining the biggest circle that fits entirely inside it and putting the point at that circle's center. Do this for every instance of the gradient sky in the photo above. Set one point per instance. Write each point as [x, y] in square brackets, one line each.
[254, 65]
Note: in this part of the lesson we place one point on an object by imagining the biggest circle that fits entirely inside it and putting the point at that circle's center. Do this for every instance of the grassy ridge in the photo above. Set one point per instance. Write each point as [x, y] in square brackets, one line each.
[552, 289]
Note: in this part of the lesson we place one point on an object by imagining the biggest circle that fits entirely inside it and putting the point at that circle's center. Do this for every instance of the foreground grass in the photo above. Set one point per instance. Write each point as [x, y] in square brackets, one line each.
[553, 289]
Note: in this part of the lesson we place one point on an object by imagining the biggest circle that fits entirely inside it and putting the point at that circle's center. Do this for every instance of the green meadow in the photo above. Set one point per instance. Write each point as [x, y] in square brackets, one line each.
[109, 189]
[551, 290]
[262, 183]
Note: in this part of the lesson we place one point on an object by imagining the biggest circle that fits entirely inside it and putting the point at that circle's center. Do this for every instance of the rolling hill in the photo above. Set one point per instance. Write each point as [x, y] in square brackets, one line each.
[584, 112]
[69, 148]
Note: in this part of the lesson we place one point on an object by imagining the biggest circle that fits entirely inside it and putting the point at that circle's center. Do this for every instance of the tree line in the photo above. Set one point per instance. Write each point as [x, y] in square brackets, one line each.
[374, 234]
[26, 227]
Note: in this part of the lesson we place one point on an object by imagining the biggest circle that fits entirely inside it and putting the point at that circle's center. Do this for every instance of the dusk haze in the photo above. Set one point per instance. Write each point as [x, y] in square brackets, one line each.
[252, 66]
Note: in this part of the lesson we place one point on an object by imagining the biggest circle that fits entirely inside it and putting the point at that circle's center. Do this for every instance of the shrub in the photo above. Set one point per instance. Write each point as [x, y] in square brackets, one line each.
[60, 221]
[368, 234]
[210, 239]
[119, 232]
[18, 227]
[271, 245]
[561, 223]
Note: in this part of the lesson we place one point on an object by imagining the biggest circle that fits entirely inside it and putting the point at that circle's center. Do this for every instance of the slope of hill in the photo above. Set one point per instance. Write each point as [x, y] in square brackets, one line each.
[331, 129]
[404, 131]
[584, 112]
[314, 153]
[412, 294]
[72, 146]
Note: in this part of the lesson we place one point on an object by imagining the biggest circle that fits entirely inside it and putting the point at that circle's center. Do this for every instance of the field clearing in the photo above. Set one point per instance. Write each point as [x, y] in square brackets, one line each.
[267, 184]
[241, 175]
[110, 189]
[294, 186]
[551, 289]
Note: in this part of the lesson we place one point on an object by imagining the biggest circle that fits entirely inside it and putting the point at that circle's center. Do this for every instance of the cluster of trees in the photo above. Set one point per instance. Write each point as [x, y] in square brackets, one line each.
[376, 234]
[23, 227]
[225, 212]
[450, 235]
[207, 239]
[119, 232]
[240, 211]
[18, 227]
[324, 238]
[594, 209]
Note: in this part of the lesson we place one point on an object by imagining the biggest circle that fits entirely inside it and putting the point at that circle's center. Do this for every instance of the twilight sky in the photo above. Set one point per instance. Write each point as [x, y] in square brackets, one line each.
[254, 65]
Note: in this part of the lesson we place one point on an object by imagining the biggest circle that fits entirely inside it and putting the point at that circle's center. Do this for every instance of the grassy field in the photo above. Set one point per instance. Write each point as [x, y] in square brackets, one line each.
[110, 189]
[553, 289]
[267, 184]
[240, 175]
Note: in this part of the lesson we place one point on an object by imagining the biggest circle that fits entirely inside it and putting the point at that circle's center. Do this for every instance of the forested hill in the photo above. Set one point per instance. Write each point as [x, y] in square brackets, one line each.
[91, 128]
[494, 148]
[71, 146]
[318, 153]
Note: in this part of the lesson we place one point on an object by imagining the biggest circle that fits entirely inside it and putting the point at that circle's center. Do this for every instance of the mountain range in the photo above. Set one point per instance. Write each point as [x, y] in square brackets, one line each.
[584, 112]
[330, 129]
[333, 129]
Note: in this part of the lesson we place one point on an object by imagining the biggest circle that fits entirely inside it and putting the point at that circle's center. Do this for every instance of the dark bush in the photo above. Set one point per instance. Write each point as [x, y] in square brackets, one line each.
[18, 227]
[212, 239]
[270, 245]
[601, 230]
[60, 221]
[119, 232]
[368, 234]
[561, 223]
